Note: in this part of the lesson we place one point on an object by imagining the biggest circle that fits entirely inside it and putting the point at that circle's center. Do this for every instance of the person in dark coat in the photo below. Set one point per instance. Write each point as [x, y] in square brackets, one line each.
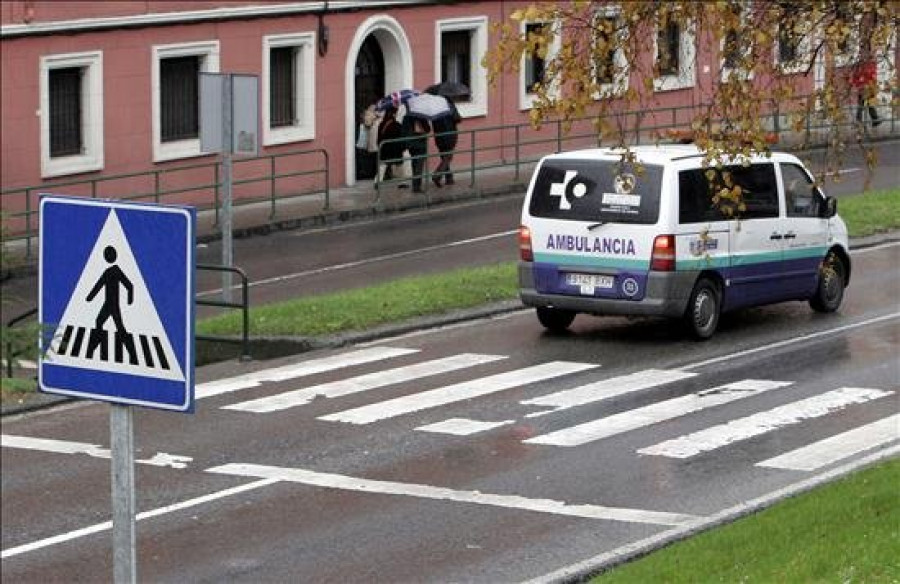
[416, 131]
[391, 154]
[446, 144]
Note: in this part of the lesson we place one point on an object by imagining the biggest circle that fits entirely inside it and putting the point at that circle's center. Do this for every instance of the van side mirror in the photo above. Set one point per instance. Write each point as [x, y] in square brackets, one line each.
[829, 209]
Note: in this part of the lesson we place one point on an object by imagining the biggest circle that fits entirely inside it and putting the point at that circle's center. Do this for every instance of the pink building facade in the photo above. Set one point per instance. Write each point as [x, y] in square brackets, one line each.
[103, 88]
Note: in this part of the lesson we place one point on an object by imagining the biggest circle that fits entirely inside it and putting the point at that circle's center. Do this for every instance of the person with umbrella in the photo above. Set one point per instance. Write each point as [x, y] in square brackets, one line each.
[390, 153]
[445, 138]
[416, 129]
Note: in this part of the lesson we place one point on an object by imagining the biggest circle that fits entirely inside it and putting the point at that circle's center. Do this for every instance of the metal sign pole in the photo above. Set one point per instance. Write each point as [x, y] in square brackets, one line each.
[227, 213]
[123, 505]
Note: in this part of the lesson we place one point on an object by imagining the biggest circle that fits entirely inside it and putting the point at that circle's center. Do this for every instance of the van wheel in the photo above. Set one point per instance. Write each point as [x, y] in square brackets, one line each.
[704, 307]
[832, 281]
[554, 319]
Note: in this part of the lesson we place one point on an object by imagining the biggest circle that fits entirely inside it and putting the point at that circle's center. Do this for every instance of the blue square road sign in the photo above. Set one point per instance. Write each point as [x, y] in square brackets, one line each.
[116, 301]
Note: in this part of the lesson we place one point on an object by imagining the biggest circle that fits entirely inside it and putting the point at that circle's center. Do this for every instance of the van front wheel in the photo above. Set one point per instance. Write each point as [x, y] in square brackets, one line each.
[704, 307]
[555, 319]
[830, 290]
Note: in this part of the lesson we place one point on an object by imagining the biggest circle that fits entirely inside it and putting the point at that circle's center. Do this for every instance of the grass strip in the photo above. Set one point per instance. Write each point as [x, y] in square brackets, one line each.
[363, 308]
[871, 212]
[847, 531]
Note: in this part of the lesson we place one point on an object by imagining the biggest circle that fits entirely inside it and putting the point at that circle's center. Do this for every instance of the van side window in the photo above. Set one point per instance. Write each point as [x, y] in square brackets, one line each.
[800, 194]
[759, 193]
[695, 198]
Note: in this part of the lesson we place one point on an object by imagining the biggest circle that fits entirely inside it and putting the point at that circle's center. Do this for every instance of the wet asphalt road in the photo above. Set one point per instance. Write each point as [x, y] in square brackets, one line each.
[361, 479]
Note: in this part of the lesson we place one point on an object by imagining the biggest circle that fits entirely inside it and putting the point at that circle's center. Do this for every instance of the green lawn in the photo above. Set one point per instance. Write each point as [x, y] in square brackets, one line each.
[847, 531]
[871, 212]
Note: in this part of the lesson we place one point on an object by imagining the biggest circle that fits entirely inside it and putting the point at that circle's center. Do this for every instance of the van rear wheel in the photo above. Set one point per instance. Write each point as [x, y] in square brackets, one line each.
[703, 310]
[555, 320]
[832, 281]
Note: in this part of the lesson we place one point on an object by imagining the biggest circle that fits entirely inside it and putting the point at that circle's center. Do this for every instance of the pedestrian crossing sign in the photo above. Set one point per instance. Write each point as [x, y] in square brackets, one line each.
[116, 301]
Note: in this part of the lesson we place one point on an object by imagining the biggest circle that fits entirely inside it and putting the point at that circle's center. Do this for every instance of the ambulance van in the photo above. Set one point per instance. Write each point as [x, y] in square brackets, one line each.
[644, 234]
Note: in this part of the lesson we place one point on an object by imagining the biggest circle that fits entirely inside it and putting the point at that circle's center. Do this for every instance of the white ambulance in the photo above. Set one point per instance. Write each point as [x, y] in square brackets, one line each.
[601, 235]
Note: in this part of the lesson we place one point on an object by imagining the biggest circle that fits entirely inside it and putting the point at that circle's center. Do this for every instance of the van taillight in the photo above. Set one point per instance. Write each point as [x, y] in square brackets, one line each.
[663, 258]
[525, 251]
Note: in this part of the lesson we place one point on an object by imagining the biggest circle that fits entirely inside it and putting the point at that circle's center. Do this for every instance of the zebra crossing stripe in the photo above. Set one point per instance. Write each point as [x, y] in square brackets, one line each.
[362, 383]
[462, 426]
[455, 393]
[295, 370]
[119, 345]
[763, 422]
[349, 483]
[838, 447]
[654, 413]
[605, 389]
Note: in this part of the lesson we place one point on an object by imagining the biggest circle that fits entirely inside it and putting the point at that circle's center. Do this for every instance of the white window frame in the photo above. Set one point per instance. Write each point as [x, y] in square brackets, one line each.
[478, 74]
[91, 157]
[527, 98]
[305, 92]
[619, 85]
[687, 60]
[209, 63]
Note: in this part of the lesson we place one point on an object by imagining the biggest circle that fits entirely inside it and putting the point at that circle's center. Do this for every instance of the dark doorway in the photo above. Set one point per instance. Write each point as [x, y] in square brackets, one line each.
[369, 89]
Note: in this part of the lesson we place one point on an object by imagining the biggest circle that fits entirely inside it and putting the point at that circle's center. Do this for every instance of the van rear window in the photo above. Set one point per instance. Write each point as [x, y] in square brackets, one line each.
[597, 190]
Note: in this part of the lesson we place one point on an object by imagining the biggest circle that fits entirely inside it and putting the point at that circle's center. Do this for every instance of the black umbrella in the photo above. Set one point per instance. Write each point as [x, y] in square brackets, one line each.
[450, 89]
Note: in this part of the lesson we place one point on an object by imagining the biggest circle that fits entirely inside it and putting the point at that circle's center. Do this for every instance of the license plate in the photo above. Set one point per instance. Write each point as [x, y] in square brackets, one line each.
[587, 283]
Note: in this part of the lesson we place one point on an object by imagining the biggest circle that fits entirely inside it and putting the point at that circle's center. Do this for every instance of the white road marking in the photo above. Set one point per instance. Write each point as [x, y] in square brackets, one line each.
[361, 383]
[348, 483]
[20, 363]
[878, 247]
[762, 422]
[66, 447]
[655, 413]
[295, 370]
[454, 393]
[838, 447]
[791, 341]
[462, 426]
[99, 527]
[605, 389]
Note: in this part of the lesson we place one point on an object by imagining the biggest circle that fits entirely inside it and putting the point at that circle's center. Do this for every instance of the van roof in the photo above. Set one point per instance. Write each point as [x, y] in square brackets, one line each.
[659, 154]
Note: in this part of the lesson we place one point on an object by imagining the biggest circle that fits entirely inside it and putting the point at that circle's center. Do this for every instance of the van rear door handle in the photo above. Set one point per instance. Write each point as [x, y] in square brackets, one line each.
[775, 236]
[790, 235]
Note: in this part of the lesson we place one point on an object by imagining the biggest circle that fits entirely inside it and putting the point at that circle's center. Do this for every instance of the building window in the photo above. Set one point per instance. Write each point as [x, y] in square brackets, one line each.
[675, 55]
[668, 48]
[288, 88]
[460, 44]
[533, 71]
[736, 44]
[456, 56]
[176, 97]
[606, 58]
[534, 65]
[282, 86]
[65, 111]
[179, 98]
[71, 94]
[610, 67]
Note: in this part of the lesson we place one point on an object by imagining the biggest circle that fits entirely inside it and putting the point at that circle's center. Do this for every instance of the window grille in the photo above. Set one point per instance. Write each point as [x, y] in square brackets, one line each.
[282, 86]
[179, 98]
[65, 111]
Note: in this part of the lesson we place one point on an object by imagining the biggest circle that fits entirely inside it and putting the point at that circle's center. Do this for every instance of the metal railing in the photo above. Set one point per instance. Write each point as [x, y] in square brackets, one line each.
[244, 304]
[195, 184]
[11, 353]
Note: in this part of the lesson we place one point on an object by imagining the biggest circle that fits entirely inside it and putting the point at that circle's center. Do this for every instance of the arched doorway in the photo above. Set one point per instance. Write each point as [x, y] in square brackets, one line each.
[366, 81]
[369, 81]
